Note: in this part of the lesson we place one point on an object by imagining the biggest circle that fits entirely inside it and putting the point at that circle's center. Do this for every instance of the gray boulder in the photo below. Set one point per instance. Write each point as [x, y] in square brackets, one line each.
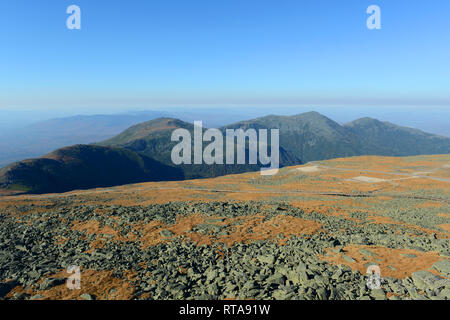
[443, 267]
[424, 279]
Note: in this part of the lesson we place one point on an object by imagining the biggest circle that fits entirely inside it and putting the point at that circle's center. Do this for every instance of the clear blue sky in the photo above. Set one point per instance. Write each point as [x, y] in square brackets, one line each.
[147, 53]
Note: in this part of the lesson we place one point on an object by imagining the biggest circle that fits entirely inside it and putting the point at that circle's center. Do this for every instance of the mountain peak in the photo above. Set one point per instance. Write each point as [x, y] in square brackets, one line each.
[160, 123]
[145, 129]
[364, 121]
[312, 114]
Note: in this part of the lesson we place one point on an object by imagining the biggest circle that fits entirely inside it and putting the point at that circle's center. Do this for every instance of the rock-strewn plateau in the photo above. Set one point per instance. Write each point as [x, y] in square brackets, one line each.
[309, 232]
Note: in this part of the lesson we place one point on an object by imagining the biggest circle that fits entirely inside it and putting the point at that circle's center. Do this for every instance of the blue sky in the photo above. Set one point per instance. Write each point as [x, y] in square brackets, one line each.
[157, 53]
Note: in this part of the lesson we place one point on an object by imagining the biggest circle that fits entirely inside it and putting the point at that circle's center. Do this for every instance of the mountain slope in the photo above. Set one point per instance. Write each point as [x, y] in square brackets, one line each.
[311, 136]
[153, 139]
[83, 167]
[384, 138]
[308, 136]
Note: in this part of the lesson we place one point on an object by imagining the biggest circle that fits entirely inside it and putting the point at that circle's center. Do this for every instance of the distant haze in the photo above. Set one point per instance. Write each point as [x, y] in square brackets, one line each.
[433, 120]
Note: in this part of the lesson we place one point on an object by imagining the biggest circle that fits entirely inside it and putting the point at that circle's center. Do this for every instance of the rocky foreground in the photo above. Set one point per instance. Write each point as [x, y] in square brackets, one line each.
[308, 232]
[214, 250]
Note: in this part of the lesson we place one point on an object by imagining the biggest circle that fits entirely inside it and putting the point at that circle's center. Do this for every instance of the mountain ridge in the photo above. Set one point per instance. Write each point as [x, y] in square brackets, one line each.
[304, 137]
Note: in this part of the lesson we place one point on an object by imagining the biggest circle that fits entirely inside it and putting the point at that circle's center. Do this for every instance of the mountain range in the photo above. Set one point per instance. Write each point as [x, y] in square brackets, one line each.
[142, 152]
[39, 138]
